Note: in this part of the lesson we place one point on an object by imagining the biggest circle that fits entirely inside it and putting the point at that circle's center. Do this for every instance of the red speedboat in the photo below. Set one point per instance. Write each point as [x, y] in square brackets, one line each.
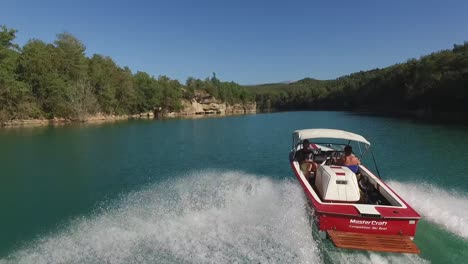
[352, 206]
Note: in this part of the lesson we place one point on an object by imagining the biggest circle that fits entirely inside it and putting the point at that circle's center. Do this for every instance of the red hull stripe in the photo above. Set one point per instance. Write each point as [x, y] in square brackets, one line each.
[314, 146]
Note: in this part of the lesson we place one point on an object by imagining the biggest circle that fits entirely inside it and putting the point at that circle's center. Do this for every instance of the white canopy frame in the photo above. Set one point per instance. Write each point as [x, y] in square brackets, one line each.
[302, 134]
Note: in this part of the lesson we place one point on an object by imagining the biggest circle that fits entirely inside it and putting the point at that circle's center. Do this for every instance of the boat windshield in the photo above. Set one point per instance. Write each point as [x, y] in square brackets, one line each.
[334, 148]
[338, 146]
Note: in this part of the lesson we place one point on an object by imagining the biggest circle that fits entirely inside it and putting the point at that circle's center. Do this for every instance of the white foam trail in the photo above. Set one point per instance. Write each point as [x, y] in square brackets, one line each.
[209, 217]
[447, 209]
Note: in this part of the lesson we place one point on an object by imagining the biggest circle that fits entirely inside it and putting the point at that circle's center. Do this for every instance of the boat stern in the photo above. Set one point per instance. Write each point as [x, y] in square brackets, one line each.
[405, 227]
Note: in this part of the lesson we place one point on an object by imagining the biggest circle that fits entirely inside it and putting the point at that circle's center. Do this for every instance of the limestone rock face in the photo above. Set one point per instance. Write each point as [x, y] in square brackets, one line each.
[25, 123]
[144, 115]
[98, 117]
[235, 109]
[214, 108]
[192, 107]
[202, 104]
[246, 108]
[207, 105]
[250, 107]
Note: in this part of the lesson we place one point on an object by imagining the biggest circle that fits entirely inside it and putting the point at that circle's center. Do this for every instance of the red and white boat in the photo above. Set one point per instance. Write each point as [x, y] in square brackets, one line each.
[355, 210]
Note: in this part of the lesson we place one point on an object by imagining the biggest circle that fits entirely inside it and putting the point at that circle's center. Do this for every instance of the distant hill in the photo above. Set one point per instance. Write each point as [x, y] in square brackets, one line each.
[435, 83]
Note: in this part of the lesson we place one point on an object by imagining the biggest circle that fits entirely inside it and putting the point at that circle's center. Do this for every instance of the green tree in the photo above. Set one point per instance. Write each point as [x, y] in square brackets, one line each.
[171, 94]
[125, 92]
[149, 92]
[16, 99]
[38, 67]
[190, 87]
[70, 57]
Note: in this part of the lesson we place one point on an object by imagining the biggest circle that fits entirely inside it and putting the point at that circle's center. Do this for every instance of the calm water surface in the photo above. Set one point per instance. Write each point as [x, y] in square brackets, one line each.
[212, 190]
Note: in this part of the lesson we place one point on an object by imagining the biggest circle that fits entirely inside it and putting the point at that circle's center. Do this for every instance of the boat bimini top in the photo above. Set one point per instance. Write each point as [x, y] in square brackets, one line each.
[302, 134]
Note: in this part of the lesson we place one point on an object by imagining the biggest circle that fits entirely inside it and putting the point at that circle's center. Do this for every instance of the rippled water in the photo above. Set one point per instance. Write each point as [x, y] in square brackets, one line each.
[212, 190]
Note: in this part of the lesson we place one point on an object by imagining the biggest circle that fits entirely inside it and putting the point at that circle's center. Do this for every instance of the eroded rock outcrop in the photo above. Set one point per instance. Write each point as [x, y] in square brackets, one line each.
[202, 104]
[213, 106]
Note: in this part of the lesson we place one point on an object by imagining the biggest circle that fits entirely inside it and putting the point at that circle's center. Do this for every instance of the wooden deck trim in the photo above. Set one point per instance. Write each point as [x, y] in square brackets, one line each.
[372, 242]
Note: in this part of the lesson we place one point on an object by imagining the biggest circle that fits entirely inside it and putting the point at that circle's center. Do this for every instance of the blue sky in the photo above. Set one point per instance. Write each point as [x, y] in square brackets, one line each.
[248, 42]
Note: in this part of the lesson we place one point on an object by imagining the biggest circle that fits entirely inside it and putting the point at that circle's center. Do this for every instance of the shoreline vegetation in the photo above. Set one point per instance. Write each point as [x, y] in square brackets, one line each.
[52, 83]
[56, 83]
[434, 86]
[99, 118]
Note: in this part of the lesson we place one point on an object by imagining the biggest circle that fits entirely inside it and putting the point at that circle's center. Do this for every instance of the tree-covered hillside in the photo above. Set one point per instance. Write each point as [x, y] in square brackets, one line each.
[47, 80]
[434, 83]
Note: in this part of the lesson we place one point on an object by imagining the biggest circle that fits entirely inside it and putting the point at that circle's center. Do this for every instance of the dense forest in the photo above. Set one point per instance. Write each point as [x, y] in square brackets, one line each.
[47, 80]
[436, 83]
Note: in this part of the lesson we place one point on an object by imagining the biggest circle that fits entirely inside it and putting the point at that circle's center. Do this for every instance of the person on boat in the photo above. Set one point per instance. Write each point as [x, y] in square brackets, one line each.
[304, 157]
[349, 160]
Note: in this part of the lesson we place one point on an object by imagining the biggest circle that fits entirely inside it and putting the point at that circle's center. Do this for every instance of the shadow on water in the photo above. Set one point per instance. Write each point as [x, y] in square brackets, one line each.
[446, 119]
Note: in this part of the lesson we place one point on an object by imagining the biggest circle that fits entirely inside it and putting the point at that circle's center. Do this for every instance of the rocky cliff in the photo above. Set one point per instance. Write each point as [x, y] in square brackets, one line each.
[202, 104]
[194, 107]
[205, 104]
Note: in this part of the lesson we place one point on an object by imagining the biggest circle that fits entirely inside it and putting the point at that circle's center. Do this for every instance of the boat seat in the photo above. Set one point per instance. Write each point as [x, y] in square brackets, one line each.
[303, 167]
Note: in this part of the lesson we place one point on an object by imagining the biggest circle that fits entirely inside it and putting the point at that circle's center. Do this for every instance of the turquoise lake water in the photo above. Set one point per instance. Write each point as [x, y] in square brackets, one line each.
[216, 190]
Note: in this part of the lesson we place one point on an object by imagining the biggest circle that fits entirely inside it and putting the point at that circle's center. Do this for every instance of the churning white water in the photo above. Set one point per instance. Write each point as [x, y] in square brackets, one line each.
[444, 208]
[204, 217]
[207, 217]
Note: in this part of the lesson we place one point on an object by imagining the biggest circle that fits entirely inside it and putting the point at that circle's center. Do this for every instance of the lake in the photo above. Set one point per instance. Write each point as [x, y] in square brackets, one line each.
[212, 190]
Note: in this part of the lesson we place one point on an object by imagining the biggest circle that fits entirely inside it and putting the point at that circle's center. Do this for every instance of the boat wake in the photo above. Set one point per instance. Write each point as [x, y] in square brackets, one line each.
[208, 216]
[446, 209]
